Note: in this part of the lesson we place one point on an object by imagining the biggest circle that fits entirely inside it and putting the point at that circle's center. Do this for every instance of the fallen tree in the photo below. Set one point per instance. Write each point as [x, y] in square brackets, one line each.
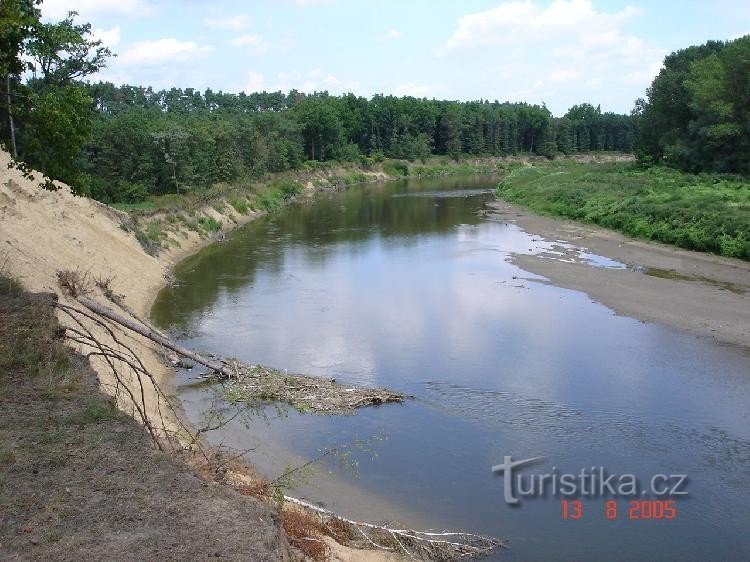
[152, 334]
[418, 545]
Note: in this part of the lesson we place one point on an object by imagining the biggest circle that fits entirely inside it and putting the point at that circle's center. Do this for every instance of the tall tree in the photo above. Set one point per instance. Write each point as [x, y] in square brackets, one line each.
[18, 20]
[65, 51]
[56, 116]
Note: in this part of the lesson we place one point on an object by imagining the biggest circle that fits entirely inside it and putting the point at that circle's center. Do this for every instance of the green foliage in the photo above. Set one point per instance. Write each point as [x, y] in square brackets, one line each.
[354, 178]
[273, 198]
[17, 21]
[209, 224]
[49, 118]
[162, 141]
[709, 213]
[445, 170]
[396, 168]
[697, 116]
[240, 205]
[64, 52]
[55, 131]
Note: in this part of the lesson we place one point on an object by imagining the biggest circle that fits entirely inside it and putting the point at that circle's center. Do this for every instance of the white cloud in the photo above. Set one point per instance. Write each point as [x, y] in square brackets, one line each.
[256, 43]
[229, 23]
[415, 90]
[109, 37]
[58, 9]
[524, 22]
[314, 80]
[390, 35]
[160, 51]
[256, 82]
[556, 51]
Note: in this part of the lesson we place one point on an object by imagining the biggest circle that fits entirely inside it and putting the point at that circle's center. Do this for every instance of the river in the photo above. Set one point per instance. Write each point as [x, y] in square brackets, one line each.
[409, 285]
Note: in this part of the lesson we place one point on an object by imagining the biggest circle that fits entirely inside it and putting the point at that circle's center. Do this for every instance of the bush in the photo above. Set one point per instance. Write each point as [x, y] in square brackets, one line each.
[209, 224]
[240, 205]
[396, 168]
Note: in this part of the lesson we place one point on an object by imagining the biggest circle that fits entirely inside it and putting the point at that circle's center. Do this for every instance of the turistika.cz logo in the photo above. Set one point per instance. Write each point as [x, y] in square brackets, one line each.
[592, 481]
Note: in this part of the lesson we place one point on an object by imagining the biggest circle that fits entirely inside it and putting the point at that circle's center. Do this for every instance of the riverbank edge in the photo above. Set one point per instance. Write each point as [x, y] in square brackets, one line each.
[696, 292]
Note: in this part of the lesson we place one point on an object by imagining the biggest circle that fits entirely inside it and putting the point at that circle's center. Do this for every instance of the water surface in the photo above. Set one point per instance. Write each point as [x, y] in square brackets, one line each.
[409, 286]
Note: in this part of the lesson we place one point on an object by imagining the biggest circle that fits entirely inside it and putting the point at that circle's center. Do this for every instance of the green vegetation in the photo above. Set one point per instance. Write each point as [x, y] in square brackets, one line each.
[128, 144]
[278, 193]
[49, 117]
[240, 205]
[149, 143]
[706, 212]
[697, 116]
[209, 224]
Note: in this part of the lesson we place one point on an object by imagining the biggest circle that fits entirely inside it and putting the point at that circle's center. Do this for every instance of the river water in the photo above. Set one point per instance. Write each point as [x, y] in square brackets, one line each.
[408, 285]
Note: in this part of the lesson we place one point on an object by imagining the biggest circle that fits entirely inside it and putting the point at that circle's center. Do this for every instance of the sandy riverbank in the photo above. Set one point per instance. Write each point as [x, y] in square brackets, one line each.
[704, 294]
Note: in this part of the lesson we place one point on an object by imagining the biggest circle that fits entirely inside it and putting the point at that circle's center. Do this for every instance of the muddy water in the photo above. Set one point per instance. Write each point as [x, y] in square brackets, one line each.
[408, 285]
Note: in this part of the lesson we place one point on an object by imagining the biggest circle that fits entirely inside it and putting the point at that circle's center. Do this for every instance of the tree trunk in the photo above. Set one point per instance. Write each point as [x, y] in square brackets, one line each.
[11, 125]
[150, 334]
[174, 177]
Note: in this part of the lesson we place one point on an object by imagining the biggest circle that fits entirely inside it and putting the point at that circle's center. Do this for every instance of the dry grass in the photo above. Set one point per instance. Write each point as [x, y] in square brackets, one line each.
[79, 476]
[73, 282]
[305, 532]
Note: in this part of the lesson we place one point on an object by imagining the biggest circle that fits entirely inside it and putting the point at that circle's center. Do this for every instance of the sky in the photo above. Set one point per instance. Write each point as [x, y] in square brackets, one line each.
[560, 52]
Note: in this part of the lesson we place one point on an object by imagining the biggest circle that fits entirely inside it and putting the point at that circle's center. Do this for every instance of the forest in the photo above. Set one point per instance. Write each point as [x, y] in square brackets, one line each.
[126, 143]
[697, 113]
[151, 142]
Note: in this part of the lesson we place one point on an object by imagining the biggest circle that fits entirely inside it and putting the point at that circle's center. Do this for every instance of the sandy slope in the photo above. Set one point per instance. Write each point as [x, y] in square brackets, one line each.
[42, 232]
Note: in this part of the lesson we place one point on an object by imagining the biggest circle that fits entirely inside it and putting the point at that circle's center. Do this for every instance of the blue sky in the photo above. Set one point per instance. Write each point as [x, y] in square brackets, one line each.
[560, 52]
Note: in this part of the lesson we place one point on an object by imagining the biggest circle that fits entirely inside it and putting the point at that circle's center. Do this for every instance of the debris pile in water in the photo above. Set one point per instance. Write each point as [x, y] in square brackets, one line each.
[258, 384]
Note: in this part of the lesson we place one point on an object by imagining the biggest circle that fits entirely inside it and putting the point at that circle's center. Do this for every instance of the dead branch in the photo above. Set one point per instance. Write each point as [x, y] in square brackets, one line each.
[118, 354]
[256, 383]
[429, 545]
[152, 335]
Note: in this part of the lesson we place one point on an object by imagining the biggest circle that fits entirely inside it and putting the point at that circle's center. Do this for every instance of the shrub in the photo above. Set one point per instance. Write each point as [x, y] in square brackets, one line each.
[240, 205]
[396, 168]
[209, 224]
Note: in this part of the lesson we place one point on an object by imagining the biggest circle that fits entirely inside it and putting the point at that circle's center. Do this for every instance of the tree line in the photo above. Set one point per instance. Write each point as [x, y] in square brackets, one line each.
[152, 142]
[696, 115]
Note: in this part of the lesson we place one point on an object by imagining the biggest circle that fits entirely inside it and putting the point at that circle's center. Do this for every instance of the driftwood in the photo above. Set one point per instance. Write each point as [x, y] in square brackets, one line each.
[153, 335]
[255, 383]
[418, 545]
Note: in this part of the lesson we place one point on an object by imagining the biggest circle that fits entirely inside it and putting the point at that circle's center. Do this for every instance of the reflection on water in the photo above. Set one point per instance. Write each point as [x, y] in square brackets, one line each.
[408, 285]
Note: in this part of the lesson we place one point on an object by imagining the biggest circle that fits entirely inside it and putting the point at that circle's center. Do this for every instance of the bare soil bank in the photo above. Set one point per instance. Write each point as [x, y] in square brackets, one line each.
[705, 294]
[80, 479]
